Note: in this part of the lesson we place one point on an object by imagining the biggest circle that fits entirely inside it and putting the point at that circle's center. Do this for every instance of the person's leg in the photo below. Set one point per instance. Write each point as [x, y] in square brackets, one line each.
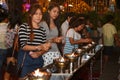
[2, 59]
[1, 62]
[108, 50]
[106, 57]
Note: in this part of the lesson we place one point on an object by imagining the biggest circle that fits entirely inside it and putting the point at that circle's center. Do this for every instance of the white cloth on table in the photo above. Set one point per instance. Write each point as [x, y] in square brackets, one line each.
[60, 76]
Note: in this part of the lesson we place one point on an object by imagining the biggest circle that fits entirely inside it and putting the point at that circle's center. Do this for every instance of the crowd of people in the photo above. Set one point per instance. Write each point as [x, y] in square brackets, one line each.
[39, 37]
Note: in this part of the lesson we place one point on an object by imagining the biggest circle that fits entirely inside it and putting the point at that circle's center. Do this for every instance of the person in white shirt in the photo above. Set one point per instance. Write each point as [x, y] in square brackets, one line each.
[73, 37]
[3, 30]
[99, 29]
[65, 24]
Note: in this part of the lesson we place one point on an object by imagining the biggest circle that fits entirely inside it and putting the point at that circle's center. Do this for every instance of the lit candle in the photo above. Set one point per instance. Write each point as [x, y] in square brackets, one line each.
[93, 42]
[90, 45]
[38, 75]
[38, 79]
[85, 47]
[79, 50]
[62, 59]
[72, 55]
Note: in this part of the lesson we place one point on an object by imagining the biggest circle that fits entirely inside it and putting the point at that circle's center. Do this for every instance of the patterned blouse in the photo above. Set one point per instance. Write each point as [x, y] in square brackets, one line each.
[10, 35]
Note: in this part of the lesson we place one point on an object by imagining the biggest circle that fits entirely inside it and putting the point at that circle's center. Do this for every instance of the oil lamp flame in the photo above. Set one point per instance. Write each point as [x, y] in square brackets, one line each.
[79, 50]
[93, 42]
[89, 44]
[72, 55]
[62, 59]
[37, 73]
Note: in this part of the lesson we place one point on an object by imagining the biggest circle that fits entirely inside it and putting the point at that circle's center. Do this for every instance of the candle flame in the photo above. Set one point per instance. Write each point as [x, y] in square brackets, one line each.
[37, 73]
[85, 47]
[79, 50]
[62, 59]
[93, 42]
[89, 44]
[73, 54]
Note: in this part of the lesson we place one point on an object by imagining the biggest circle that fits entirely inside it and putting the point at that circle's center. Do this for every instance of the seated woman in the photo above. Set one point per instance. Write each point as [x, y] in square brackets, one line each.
[73, 36]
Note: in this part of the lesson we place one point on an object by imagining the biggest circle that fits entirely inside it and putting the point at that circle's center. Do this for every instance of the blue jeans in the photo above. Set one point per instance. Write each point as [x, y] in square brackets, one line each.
[2, 59]
[30, 64]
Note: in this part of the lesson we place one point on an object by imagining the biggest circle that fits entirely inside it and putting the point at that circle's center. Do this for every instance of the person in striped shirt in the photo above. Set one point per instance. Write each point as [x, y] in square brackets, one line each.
[32, 38]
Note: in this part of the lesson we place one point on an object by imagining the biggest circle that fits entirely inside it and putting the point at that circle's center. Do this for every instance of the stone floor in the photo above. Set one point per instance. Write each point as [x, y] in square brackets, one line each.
[111, 69]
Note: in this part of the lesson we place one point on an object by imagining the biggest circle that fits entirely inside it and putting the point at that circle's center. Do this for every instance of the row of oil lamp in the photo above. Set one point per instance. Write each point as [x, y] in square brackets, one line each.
[69, 62]
[73, 60]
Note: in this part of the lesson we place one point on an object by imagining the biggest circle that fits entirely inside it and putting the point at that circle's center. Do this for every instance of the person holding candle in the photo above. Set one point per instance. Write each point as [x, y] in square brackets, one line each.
[51, 24]
[73, 36]
[32, 39]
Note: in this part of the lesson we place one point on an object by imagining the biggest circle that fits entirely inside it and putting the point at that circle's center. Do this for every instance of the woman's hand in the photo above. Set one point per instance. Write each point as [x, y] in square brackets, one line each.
[43, 47]
[88, 40]
[34, 54]
[41, 50]
[46, 46]
[58, 39]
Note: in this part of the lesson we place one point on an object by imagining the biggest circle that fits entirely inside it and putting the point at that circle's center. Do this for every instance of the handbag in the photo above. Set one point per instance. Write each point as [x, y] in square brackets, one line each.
[12, 68]
[12, 62]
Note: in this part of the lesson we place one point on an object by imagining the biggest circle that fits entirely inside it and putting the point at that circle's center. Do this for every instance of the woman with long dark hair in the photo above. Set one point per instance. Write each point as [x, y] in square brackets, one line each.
[32, 38]
[51, 24]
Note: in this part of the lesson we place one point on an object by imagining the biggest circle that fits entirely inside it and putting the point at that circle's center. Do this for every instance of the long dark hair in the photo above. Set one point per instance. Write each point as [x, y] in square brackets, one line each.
[76, 21]
[46, 16]
[3, 14]
[31, 12]
[15, 19]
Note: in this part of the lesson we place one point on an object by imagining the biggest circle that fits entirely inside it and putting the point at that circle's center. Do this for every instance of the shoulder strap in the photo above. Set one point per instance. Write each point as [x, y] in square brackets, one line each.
[15, 45]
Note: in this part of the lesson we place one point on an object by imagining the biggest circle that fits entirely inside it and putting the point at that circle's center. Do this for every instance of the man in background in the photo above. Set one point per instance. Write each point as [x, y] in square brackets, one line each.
[65, 24]
[110, 38]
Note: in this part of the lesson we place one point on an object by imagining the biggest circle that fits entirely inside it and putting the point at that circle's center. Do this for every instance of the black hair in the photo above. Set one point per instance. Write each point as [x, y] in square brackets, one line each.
[109, 18]
[46, 16]
[50, 7]
[15, 19]
[69, 14]
[3, 14]
[76, 21]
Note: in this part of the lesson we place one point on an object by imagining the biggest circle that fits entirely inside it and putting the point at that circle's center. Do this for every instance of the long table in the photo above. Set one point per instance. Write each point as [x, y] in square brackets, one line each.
[84, 62]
